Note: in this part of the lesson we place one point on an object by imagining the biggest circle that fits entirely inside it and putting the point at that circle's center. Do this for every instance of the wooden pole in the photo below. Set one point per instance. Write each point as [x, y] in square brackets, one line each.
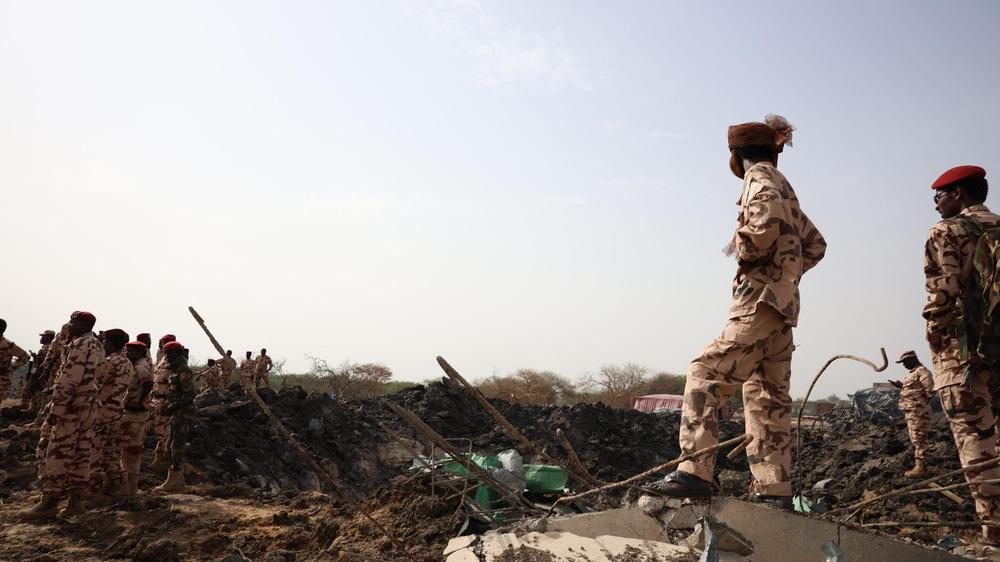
[506, 425]
[575, 459]
[277, 424]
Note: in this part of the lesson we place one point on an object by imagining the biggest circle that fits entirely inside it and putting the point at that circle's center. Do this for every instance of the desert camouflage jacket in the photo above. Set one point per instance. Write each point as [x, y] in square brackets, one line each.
[161, 381]
[113, 380]
[142, 373]
[262, 365]
[74, 389]
[776, 244]
[917, 391]
[947, 251]
[10, 350]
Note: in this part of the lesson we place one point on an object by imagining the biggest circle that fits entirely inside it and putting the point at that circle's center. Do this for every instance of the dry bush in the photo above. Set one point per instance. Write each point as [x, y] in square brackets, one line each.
[616, 385]
[528, 386]
[352, 381]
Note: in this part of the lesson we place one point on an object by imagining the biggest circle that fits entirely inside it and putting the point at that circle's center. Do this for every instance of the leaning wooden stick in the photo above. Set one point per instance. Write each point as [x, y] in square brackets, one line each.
[652, 471]
[575, 459]
[950, 495]
[506, 425]
[737, 450]
[276, 423]
[419, 425]
[919, 485]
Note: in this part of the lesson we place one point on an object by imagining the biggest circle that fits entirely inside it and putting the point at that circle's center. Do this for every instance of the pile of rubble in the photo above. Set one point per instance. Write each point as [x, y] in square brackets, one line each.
[253, 494]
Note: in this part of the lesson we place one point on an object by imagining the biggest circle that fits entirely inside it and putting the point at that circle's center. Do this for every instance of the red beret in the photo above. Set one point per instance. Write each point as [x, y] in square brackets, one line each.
[143, 334]
[172, 346]
[957, 174]
[168, 337]
[79, 314]
[136, 343]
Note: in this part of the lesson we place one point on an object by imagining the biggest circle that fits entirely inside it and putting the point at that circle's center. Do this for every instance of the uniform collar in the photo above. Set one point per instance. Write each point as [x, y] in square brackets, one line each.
[980, 208]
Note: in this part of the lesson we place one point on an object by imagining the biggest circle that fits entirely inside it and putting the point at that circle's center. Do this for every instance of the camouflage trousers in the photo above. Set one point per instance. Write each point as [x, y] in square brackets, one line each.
[158, 424]
[130, 437]
[918, 421]
[63, 453]
[4, 386]
[754, 351]
[971, 409]
[105, 457]
[180, 427]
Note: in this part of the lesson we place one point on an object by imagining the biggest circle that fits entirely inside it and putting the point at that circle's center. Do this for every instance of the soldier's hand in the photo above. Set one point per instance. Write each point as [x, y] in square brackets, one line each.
[934, 340]
[897, 384]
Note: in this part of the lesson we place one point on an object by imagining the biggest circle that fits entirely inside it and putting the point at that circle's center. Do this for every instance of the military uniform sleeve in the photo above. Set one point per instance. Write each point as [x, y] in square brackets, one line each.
[942, 271]
[813, 244]
[928, 384]
[70, 376]
[764, 214]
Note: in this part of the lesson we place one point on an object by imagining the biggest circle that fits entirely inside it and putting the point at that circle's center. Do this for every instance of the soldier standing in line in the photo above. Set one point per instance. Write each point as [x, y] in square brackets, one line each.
[248, 370]
[775, 243]
[67, 434]
[167, 338]
[180, 401]
[112, 382]
[33, 385]
[915, 394]
[133, 426]
[964, 384]
[262, 368]
[158, 421]
[9, 350]
[53, 362]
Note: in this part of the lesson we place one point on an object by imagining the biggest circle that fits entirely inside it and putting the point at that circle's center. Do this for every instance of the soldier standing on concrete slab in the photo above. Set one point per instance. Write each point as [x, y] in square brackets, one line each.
[180, 400]
[775, 244]
[113, 379]
[133, 427]
[9, 350]
[915, 394]
[968, 393]
[67, 434]
[262, 368]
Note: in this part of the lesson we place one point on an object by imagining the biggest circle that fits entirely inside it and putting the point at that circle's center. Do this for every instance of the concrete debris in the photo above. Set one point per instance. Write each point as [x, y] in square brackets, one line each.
[624, 522]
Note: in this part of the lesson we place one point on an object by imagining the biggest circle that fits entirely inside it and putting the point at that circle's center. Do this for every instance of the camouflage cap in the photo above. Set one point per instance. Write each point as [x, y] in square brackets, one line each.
[907, 355]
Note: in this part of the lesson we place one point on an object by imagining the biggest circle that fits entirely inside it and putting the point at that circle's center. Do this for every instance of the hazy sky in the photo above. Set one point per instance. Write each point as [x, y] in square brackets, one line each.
[506, 184]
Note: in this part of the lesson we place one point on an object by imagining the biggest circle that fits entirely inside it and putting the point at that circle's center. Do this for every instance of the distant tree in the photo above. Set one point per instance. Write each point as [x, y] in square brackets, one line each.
[528, 386]
[351, 381]
[665, 383]
[278, 368]
[617, 384]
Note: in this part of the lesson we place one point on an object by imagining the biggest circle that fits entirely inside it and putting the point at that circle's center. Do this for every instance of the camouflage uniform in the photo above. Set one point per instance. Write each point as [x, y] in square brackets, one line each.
[68, 432]
[211, 377]
[161, 384]
[180, 403]
[775, 244]
[105, 460]
[248, 370]
[133, 426]
[32, 386]
[227, 368]
[915, 403]
[968, 396]
[9, 350]
[262, 366]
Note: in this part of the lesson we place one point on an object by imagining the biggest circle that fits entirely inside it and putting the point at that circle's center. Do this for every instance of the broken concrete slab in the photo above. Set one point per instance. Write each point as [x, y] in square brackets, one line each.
[569, 547]
[686, 516]
[780, 536]
[629, 522]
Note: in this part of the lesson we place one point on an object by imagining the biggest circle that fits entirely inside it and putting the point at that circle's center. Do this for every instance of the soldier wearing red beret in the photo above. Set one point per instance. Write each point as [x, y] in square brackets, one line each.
[963, 382]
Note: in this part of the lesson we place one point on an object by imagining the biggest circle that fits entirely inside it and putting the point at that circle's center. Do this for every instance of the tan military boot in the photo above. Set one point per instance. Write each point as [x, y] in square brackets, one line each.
[74, 505]
[131, 484]
[174, 482]
[919, 470]
[47, 506]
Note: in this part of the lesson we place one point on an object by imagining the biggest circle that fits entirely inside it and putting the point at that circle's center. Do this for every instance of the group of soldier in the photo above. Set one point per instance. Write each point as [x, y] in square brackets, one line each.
[97, 395]
[774, 245]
